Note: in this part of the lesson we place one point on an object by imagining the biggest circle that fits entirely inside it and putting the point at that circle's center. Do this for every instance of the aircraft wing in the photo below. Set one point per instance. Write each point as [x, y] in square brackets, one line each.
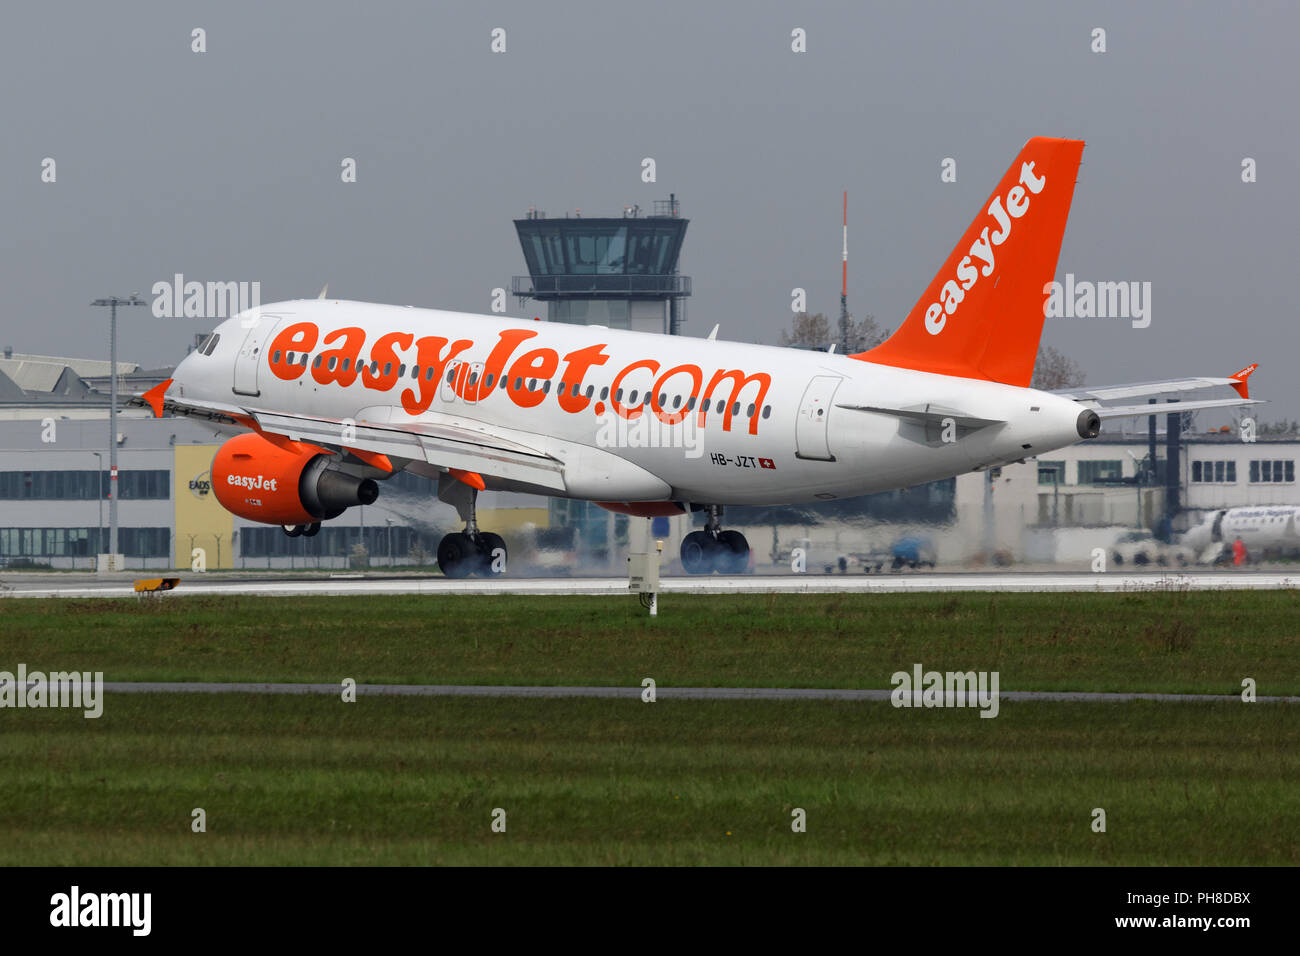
[445, 444]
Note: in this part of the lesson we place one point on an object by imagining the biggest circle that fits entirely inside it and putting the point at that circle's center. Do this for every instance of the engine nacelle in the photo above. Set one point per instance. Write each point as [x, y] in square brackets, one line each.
[286, 484]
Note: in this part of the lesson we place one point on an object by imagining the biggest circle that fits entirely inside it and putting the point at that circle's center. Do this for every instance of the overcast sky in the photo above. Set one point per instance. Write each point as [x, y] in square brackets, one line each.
[225, 165]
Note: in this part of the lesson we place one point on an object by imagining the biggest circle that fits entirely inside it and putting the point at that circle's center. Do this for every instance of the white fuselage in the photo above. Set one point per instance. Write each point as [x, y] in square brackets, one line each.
[779, 427]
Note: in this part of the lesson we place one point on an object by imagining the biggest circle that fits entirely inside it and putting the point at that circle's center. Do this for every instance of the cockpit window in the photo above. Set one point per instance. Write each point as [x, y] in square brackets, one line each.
[208, 346]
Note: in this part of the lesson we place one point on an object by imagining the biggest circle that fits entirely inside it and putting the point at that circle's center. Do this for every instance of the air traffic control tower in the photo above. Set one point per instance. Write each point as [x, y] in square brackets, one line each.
[620, 273]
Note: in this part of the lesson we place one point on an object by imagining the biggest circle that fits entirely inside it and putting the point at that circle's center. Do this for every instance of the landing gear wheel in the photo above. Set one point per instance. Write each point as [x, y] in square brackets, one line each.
[732, 556]
[293, 530]
[493, 549]
[698, 551]
[458, 556]
[311, 530]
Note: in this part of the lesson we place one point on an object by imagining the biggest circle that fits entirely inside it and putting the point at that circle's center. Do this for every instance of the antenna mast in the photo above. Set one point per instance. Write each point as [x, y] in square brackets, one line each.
[844, 288]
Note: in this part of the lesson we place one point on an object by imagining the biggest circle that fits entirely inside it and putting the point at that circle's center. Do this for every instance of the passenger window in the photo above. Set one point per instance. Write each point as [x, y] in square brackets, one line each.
[428, 374]
[604, 392]
[631, 399]
[318, 360]
[767, 411]
[275, 359]
[388, 368]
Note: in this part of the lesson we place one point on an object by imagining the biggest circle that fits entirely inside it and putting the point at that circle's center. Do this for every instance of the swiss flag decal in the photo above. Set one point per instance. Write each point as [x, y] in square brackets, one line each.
[766, 463]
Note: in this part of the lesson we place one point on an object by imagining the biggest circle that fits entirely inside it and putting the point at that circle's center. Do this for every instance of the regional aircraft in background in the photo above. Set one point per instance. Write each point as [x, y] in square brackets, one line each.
[329, 398]
[1259, 528]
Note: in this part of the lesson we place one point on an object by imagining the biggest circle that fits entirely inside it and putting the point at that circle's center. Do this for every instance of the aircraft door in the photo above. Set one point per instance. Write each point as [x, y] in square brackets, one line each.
[250, 354]
[810, 432]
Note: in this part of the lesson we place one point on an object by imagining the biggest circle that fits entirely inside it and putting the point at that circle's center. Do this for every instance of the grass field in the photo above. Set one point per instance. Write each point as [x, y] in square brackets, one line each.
[1152, 641]
[317, 781]
[314, 780]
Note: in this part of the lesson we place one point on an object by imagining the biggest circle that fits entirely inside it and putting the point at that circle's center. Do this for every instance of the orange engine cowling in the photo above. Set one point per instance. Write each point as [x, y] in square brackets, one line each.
[284, 483]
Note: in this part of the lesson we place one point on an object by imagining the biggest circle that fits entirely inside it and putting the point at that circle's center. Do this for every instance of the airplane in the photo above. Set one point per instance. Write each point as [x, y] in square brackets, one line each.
[327, 398]
[1259, 527]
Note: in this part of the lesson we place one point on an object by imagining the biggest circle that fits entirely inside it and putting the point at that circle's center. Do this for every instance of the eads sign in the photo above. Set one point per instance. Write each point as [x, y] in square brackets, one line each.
[201, 485]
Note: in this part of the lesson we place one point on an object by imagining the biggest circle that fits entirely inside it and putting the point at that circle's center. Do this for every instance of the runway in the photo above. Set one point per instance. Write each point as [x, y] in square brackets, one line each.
[243, 583]
[634, 693]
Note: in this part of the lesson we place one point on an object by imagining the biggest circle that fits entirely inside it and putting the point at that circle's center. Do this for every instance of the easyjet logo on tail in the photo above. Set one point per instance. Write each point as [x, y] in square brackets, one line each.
[981, 250]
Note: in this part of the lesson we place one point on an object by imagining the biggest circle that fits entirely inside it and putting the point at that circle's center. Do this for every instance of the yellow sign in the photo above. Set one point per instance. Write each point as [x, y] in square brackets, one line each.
[203, 527]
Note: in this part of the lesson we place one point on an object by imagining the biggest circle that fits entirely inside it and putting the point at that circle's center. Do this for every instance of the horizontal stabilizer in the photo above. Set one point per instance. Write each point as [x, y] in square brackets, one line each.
[929, 415]
[1136, 411]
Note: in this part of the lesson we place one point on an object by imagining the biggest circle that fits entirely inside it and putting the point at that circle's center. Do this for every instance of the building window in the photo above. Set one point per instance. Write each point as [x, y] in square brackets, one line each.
[1275, 471]
[81, 542]
[1098, 472]
[83, 485]
[1051, 472]
[1216, 472]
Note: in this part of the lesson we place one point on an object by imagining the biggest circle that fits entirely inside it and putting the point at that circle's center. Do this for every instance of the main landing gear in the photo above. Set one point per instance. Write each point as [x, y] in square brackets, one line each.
[471, 551]
[303, 530]
[713, 549]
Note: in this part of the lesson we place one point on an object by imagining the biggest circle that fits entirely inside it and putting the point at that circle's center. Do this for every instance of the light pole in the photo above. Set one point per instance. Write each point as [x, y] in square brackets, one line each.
[113, 302]
[99, 496]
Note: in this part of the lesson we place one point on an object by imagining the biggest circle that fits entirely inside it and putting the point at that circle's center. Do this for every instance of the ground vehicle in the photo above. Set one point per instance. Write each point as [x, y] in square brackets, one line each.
[912, 551]
[1141, 547]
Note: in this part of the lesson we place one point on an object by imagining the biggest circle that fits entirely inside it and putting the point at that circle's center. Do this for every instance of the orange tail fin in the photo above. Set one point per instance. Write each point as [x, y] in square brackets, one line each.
[982, 315]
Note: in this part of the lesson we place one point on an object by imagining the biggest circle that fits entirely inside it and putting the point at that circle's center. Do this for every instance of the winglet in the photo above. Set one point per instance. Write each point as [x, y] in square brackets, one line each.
[471, 478]
[155, 397]
[1241, 377]
[325, 288]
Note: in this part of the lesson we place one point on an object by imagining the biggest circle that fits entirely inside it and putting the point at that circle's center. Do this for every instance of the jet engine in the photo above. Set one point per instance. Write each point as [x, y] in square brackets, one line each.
[284, 482]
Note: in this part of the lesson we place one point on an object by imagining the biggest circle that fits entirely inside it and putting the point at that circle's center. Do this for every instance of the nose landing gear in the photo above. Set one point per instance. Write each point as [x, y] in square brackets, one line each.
[713, 549]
